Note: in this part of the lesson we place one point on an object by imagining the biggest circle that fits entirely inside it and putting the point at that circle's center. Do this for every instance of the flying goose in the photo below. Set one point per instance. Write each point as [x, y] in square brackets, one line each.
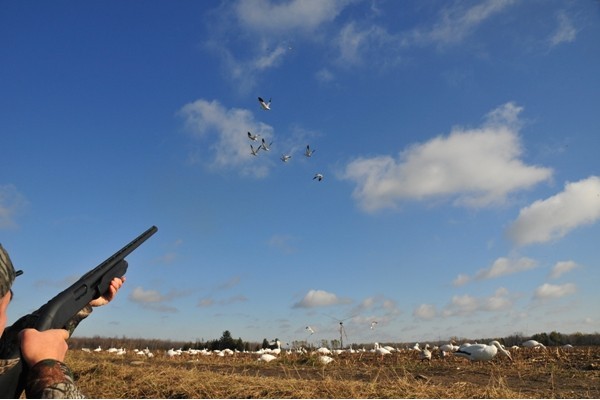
[263, 104]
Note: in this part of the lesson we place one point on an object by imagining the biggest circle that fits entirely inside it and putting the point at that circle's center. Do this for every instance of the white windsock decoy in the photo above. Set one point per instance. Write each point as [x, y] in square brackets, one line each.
[265, 105]
[325, 359]
[482, 352]
[266, 358]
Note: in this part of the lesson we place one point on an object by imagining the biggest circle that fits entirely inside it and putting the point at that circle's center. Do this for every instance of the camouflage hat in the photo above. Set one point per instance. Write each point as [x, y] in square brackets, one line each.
[7, 272]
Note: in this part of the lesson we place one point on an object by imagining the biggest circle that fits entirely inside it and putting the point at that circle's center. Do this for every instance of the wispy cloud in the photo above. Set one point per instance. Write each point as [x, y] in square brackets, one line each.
[476, 167]
[271, 17]
[355, 43]
[230, 283]
[154, 300]
[425, 311]
[549, 291]
[12, 203]
[210, 302]
[457, 22]
[565, 31]
[284, 243]
[553, 218]
[375, 308]
[320, 298]
[230, 126]
[562, 267]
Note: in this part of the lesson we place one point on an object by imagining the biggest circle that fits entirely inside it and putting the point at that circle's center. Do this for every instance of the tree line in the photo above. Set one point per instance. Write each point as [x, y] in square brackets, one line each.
[226, 341]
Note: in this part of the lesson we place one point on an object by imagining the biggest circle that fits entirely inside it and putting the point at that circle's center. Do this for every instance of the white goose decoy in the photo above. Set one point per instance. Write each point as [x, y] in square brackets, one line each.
[265, 146]
[533, 344]
[285, 157]
[308, 152]
[254, 151]
[276, 351]
[318, 177]
[252, 137]
[425, 353]
[482, 352]
[265, 105]
[381, 350]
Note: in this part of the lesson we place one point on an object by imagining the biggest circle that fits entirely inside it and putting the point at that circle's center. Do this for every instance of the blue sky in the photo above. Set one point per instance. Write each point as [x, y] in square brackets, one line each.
[458, 143]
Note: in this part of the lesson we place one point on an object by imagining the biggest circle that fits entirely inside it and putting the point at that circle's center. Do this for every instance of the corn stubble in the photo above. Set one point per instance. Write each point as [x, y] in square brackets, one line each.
[534, 374]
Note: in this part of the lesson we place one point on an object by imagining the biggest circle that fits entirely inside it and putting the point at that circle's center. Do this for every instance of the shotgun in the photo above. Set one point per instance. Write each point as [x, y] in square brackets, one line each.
[59, 311]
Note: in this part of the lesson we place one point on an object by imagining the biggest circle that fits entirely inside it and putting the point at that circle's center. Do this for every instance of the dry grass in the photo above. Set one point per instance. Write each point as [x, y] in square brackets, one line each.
[534, 374]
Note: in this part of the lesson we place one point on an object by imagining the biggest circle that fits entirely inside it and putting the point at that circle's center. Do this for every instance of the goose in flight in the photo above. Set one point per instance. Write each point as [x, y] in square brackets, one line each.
[482, 352]
[319, 177]
[265, 146]
[265, 105]
[308, 151]
[253, 137]
[311, 330]
[373, 324]
[285, 157]
[254, 151]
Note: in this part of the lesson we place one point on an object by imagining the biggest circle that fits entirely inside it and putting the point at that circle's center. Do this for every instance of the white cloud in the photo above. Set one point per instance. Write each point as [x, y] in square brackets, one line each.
[554, 217]
[500, 267]
[468, 305]
[562, 267]
[477, 167]
[549, 291]
[319, 298]
[296, 15]
[140, 295]
[11, 204]
[231, 147]
[425, 311]
[565, 32]
[506, 266]
[461, 280]
[154, 300]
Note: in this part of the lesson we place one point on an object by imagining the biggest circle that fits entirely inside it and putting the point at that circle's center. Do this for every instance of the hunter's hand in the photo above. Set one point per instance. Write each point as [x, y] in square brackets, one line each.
[47, 345]
[110, 294]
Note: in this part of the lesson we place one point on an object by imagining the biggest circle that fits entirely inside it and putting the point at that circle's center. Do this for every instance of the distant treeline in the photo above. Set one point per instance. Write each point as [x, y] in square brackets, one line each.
[226, 341]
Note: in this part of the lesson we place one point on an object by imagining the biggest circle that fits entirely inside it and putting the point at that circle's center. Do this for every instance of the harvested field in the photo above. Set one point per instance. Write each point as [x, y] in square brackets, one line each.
[551, 373]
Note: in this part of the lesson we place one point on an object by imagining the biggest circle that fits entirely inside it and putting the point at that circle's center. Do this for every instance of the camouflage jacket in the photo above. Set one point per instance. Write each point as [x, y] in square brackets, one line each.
[48, 379]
